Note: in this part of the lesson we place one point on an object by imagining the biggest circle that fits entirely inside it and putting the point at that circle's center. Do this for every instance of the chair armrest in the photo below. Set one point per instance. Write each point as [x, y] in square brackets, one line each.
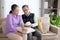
[53, 29]
[2, 19]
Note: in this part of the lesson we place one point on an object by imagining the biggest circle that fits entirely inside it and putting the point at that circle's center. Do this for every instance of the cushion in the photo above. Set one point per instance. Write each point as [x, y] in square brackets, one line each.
[44, 24]
[40, 25]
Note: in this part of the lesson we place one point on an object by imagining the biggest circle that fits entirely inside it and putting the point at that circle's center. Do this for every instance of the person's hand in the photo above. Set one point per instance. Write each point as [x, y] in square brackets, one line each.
[24, 30]
[19, 33]
[28, 25]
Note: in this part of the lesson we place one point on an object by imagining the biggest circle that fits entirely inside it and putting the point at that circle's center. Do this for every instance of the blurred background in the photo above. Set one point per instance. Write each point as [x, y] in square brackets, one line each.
[39, 7]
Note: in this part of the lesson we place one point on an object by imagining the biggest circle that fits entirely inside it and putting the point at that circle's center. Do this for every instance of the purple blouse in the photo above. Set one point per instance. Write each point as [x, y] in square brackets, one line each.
[12, 22]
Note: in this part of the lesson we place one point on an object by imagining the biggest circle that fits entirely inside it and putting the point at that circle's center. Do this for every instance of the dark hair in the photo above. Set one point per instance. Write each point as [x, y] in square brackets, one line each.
[25, 6]
[13, 8]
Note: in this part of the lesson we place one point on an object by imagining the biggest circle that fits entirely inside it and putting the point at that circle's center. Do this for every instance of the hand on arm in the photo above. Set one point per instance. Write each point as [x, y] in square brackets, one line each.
[24, 29]
[28, 25]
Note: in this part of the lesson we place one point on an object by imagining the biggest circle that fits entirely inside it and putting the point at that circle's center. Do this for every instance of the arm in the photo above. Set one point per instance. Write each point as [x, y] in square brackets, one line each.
[35, 21]
[10, 23]
[22, 24]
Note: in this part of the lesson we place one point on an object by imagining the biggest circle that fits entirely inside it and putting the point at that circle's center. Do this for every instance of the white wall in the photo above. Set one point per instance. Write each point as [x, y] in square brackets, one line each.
[1, 8]
[34, 6]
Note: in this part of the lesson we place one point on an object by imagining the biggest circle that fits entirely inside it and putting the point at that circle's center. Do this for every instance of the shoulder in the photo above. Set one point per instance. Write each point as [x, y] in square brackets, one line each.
[32, 13]
[19, 15]
[22, 14]
[9, 15]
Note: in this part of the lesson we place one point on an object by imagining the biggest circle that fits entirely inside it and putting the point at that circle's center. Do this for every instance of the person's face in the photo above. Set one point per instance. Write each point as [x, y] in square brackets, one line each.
[25, 10]
[16, 11]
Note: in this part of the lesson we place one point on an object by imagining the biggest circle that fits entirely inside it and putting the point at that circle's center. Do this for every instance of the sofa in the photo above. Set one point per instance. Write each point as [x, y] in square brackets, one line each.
[52, 35]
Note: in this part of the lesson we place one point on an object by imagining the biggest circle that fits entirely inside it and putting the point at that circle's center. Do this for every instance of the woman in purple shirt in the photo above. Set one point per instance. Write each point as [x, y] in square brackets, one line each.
[14, 20]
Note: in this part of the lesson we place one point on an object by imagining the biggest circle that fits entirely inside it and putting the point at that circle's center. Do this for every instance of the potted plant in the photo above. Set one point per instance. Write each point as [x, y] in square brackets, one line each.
[55, 20]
